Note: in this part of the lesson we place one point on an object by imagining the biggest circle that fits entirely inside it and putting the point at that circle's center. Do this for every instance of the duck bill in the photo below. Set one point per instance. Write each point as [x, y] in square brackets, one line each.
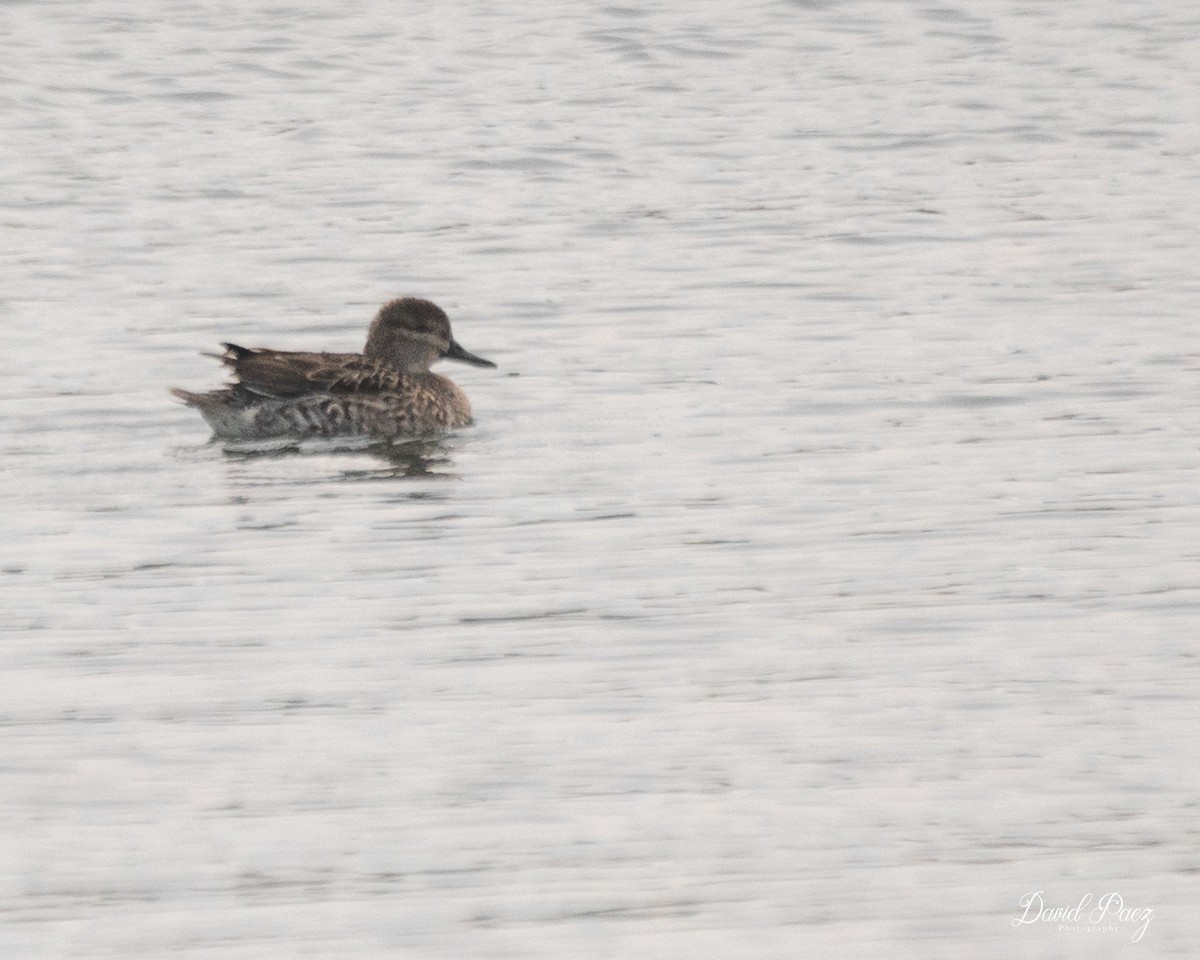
[456, 352]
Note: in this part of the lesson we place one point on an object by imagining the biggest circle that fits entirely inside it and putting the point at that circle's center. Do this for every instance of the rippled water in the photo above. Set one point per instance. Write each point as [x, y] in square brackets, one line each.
[820, 577]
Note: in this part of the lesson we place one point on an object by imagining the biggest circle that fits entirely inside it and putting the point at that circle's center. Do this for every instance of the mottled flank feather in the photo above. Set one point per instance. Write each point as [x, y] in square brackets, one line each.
[386, 391]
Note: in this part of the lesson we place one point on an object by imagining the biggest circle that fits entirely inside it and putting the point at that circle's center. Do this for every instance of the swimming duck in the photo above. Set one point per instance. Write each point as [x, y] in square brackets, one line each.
[385, 391]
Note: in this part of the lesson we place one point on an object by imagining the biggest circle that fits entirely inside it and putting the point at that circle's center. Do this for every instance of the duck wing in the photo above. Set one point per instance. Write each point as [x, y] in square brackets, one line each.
[282, 373]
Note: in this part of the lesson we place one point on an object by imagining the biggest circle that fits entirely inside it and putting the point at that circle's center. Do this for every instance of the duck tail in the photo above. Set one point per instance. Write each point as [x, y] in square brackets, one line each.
[200, 400]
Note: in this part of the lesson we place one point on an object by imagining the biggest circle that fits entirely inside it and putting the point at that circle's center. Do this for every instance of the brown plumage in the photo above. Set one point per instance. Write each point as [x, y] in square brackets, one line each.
[281, 373]
[387, 390]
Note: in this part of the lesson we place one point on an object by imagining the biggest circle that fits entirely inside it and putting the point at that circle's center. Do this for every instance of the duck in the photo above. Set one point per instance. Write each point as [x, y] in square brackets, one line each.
[387, 391]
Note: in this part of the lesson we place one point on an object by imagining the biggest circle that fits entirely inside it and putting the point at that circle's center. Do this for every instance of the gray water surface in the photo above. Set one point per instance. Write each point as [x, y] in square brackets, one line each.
[820, 578]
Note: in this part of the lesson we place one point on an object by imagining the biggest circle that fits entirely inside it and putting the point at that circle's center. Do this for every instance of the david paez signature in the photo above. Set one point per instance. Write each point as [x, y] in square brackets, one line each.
[1103, 916]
